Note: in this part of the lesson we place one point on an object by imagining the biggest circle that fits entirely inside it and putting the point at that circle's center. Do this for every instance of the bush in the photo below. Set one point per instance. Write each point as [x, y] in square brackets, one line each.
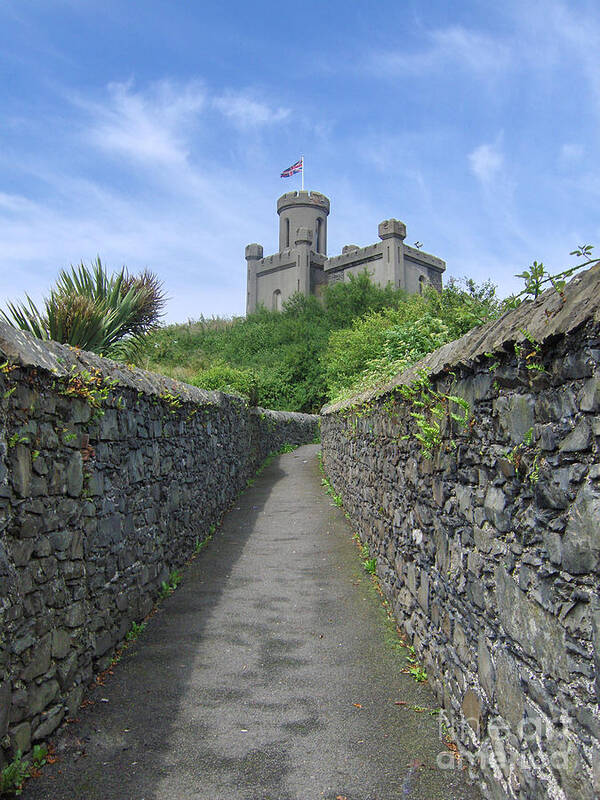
[381, 344]
[233, 380]
[89, 309]
[297, 359]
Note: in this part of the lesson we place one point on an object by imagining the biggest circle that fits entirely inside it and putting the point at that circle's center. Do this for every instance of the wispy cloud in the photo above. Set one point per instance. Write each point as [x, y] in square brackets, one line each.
[248, 112]
[486, 162]
[571, 152]
[172, 220]
[146, 126]
[479, 53]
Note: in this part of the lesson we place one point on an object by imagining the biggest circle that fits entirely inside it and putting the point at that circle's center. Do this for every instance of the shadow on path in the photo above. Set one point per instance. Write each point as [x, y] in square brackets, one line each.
[266, 676]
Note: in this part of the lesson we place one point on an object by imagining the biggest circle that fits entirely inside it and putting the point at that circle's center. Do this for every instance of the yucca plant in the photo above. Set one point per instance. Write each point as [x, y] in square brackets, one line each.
[87, 308]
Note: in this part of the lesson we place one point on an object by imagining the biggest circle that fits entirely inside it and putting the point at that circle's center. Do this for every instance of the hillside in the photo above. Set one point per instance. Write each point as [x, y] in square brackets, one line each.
[312, 352]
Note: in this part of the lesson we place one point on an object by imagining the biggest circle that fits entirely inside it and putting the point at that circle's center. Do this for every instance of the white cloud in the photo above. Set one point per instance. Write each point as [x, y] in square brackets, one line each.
[486, 162]
[147, 126]
[571, 152]
[248, 112]
[477, 52]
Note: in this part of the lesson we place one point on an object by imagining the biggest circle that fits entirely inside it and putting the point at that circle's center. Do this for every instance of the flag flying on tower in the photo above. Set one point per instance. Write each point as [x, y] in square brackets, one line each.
[297, 167]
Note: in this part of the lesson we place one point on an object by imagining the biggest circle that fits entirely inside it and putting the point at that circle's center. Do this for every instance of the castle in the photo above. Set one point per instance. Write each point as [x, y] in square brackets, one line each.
[302, 265]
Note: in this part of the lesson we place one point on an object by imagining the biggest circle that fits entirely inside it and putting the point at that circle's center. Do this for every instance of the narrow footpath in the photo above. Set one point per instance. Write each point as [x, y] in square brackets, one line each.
[270, 674]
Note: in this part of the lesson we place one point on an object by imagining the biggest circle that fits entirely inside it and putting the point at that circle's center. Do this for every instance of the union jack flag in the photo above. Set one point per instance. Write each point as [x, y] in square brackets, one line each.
[297, 167]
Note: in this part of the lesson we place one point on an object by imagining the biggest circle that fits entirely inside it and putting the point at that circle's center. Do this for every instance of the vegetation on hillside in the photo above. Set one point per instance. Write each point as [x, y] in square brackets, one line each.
[360, 335]
[311, 352]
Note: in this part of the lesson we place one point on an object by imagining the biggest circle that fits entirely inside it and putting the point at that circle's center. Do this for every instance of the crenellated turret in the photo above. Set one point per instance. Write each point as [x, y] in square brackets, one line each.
[303, 210]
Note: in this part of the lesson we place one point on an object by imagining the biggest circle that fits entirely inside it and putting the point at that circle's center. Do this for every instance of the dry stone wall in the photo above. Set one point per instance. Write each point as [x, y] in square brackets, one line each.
[108, 479]
[487, 535]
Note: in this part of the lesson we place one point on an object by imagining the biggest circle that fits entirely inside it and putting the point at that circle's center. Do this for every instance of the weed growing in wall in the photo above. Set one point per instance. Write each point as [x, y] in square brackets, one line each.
[136, 629]
[14, 775]
[431, 408]
[168, 587]
[174, 401]
[87, 385]
[537, 277]
[516, 458]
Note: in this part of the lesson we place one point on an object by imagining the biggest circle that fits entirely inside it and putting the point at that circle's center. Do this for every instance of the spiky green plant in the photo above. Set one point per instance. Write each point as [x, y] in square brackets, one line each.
[90, 309]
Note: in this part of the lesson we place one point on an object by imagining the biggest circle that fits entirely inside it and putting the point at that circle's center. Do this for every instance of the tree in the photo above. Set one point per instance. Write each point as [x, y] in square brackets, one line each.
[87, 308]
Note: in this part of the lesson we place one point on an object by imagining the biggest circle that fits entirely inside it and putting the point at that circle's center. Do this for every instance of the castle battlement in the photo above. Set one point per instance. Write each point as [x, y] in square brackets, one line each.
[352, 256]
[290, 199]
[422, 257]
[302, 265]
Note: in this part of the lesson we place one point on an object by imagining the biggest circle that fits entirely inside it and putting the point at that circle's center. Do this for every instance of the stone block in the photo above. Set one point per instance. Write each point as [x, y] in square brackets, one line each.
[61, 642]
[60, 540]
[581, 542]
[21, 551]
[580, 438]
[5, 702]
[42, 548]
[472, 710]
[539, 633]
[595, 617]
[104, 641]
[39, 660]
[109, 426]
[77, 546]
[589, 397]
[495, 509]
[515, 415]
[75, 615]
[66, 670]
[95, 485]
[20, 738]
[40, 697]
[485, 668]
[49, 722]
[510, 697]
[553, 545]
[575, 779]
[75, 475]
[483, 537]
[21, 470]
[73, 700]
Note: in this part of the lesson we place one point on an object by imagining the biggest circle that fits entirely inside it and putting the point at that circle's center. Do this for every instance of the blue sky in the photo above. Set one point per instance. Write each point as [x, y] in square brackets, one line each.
[153, 132]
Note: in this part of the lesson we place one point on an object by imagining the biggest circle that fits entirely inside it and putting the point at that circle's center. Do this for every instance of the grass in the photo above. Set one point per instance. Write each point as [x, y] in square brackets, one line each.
[136, 629]
[14, 775]
[168, 587]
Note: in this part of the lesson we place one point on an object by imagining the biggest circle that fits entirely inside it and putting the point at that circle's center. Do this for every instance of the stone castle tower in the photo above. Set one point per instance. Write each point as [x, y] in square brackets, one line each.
[302, 265]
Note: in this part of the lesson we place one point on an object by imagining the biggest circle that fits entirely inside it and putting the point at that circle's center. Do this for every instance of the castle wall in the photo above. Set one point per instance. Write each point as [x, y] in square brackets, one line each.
[487, 540]
[109, 479]
[418, 264]
[272, 280]
[278, 273]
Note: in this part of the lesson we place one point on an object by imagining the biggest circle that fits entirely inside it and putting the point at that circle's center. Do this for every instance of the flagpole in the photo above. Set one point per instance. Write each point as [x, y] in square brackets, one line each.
[302, 157]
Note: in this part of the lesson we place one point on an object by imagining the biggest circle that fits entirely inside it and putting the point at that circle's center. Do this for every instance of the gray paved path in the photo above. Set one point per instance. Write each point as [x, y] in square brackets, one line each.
[243, 686]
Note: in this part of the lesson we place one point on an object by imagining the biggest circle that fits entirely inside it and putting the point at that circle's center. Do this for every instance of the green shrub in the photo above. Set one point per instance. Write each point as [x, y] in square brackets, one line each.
[90, 309]
[14, 775]
[382, 344]
[297, 359]
[225, 378]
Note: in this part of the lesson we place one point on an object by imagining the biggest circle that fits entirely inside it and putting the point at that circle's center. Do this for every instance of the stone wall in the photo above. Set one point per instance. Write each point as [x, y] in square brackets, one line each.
[109, 477]
[487, 536]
